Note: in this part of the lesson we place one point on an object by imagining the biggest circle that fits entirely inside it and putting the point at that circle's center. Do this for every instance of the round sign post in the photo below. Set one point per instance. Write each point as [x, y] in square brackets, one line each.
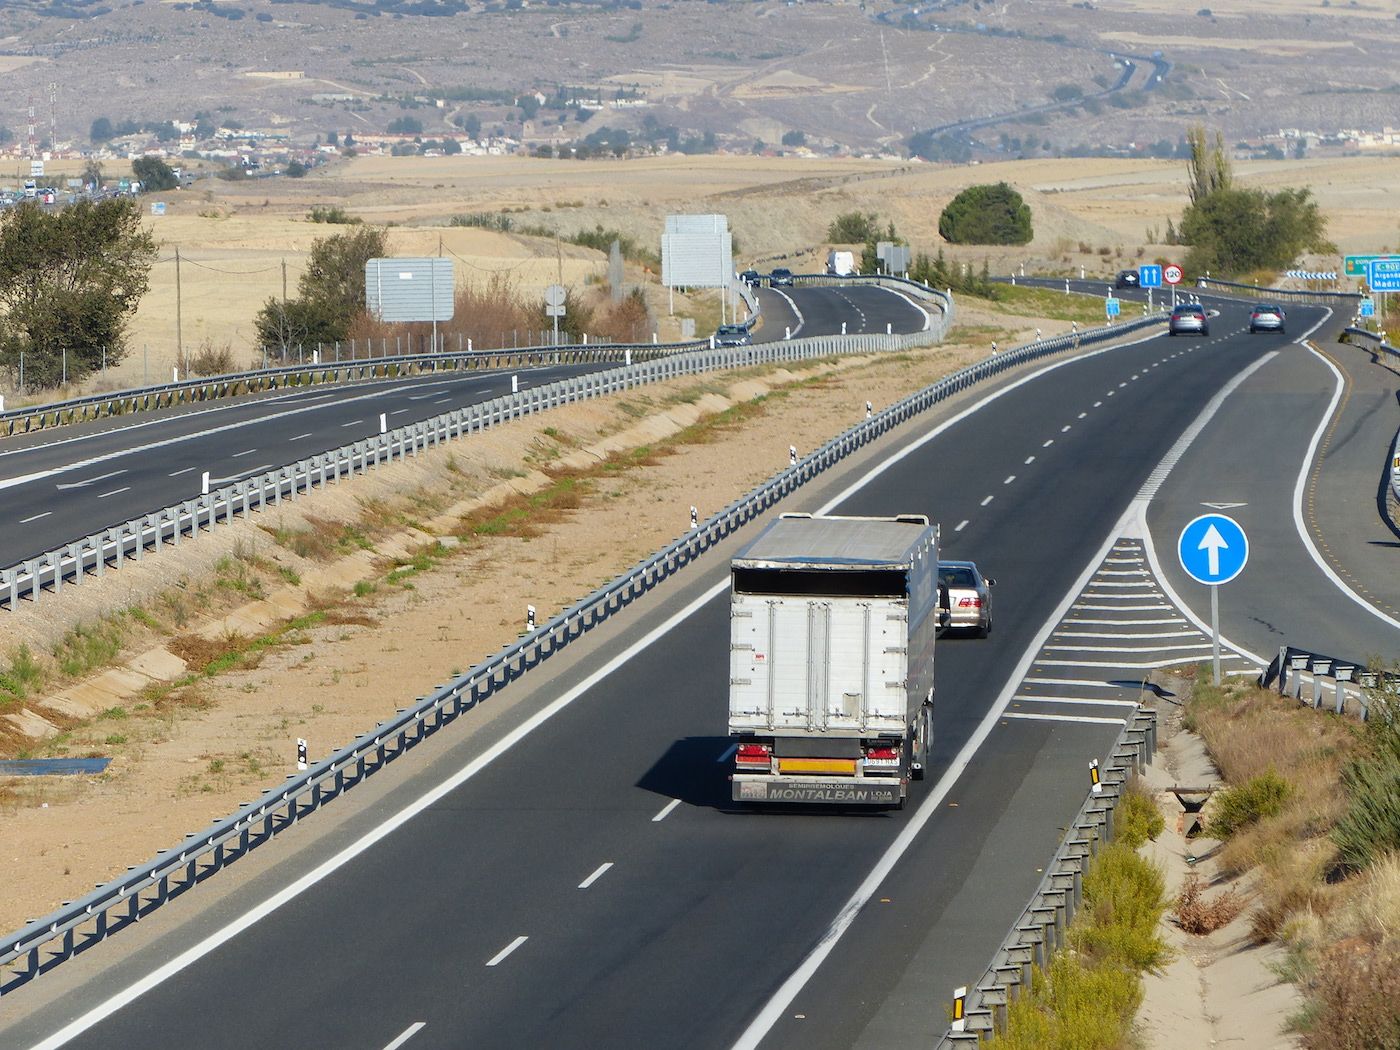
[1172, 275]
[1213, 549]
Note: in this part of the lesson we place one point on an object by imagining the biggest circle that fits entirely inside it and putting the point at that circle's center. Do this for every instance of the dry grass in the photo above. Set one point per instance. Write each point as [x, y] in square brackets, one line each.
[1197, 914]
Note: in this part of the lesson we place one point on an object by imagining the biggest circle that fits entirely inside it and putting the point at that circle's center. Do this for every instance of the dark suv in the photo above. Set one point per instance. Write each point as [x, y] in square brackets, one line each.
[780, 277]
[1126, 279]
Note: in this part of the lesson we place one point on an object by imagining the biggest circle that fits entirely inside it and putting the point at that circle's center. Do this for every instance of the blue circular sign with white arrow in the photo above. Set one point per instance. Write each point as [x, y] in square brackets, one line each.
[1213, 549]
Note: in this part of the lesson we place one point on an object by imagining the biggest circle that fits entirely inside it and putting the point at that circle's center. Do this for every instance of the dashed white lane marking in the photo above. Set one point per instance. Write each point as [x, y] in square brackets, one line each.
[1110, 393]
[1098, 404]
[26, 521]
[1121, 608]
[1064, 429]
[443, 401]
[240, 455]
[1122, 385]
[1091, 719]
[666, 811]
[728, 753]
[961, 525]
[602, 870]
[501, 955]
[177, 473]
[301, 437]
[398, 411]
[1194, 647]
[352, 422]
[115, 492]
[1009, 479]
[408, 1034]
[1030, 460]
[988, 500]
[1118, 623]
[1083, 414]
[1048, 443]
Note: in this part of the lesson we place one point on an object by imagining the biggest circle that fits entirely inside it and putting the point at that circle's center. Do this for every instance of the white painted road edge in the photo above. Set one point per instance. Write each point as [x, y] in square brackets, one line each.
[776, 1007]
[258, 912]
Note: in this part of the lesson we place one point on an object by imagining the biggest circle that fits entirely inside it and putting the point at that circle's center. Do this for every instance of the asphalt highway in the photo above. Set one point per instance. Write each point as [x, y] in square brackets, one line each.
[96, 477]
[584, 881]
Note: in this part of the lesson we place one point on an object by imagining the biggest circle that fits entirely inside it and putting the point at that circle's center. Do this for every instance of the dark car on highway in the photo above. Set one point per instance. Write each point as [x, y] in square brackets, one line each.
[732, 335]
[751, 277]
[1126, 279]
[1266, 318]
[780, 277]
[1188, 319]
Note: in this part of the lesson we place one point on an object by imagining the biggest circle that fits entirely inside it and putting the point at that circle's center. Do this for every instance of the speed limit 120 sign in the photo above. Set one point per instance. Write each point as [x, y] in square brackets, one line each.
[1171, 274]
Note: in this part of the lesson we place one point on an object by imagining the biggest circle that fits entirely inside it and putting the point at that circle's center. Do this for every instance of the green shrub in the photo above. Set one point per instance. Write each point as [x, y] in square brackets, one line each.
[1245, 804]
[994, 214]
[23, 675]
[1371, 825]
[1137, 818]
[1124, 896]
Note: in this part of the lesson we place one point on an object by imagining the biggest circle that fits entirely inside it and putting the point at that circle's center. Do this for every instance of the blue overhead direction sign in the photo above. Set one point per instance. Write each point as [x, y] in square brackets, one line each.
[1213, 549]
[1150, 276]
[1112, 307]
[1383, 275]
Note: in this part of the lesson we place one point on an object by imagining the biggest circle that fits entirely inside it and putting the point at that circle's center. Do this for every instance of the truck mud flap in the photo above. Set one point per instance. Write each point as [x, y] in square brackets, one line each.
[831, 794]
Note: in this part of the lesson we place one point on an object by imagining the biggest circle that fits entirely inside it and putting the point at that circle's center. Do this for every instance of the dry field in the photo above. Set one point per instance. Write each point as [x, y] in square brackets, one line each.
[235, 237]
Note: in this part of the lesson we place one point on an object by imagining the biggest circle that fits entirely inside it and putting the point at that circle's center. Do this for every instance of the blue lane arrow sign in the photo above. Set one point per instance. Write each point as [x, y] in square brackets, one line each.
[1213, 549]
[1150, 276]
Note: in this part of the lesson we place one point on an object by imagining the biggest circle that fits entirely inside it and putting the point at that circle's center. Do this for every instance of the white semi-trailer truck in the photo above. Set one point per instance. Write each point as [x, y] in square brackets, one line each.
[832, 626]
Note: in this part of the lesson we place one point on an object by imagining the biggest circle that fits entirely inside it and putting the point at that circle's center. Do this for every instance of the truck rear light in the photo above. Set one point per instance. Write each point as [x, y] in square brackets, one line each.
[882, 755]
[754, 755]
[970, 603]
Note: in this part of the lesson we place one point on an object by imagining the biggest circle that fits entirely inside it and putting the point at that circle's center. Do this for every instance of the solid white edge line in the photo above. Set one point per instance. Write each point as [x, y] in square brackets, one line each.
[666, 809]
[778, 1004]
[1300, 489]
[408, 1034]
[795, 311]
[115, 1002]
[602, 870]
[501, 955]
[254, 915]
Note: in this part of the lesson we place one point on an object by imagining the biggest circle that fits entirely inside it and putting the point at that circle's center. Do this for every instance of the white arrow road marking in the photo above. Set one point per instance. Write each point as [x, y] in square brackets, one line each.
[90, 481]
[1213, 543]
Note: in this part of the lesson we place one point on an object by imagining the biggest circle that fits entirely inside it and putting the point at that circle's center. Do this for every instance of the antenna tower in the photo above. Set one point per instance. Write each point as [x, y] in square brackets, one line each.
[53, 115]
[33, 136]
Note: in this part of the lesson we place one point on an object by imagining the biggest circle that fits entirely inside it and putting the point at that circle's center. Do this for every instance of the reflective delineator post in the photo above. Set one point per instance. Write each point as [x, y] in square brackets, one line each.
[1094, 786]
[204, 484]
[529, 617]
[515, 384]
[869, 410]
[694, 518]
[383, 423]
[959, 1019]
[301, 754]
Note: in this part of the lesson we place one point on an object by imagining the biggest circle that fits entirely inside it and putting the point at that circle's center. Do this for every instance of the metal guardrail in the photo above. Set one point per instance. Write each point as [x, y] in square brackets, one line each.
[1374, 340]
[1043, 925]
[145, 399]
[1289, 295]
[79, 924]
[1355, 688]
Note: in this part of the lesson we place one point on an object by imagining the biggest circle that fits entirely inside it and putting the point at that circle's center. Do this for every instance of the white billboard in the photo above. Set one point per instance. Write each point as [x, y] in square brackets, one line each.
[697, 251]
[410, 289]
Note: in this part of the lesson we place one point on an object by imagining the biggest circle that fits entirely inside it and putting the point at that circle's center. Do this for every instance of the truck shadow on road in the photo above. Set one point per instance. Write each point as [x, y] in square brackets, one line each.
[695, 770]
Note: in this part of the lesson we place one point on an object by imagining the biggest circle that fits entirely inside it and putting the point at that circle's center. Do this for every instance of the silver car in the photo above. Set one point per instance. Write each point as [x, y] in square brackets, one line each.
[967, 596]
[1266, 318]
[1188, 319]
